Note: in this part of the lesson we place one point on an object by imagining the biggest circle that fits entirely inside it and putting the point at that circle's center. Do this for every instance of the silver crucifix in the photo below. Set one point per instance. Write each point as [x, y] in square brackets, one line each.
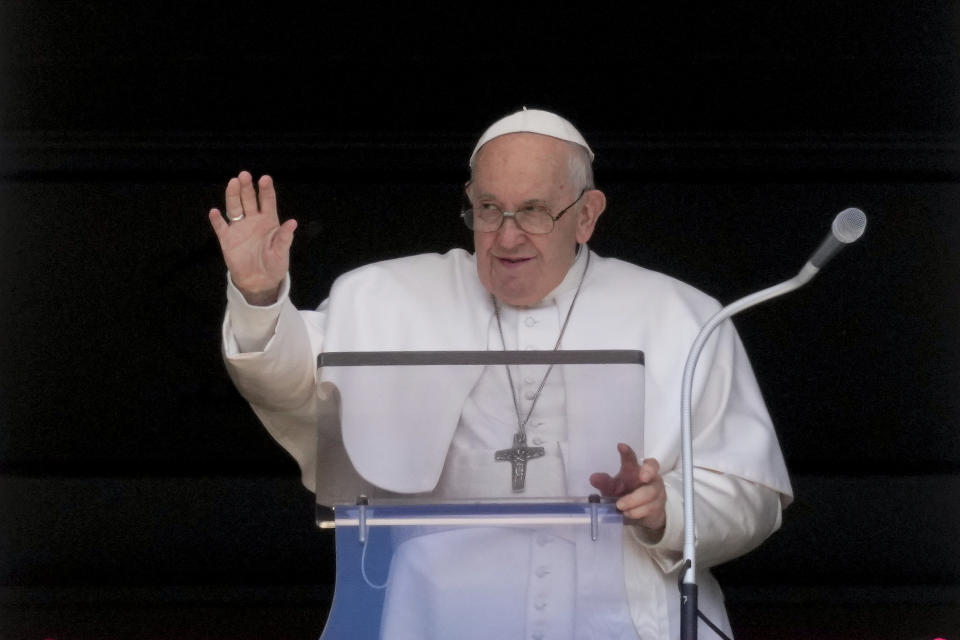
[517, 457]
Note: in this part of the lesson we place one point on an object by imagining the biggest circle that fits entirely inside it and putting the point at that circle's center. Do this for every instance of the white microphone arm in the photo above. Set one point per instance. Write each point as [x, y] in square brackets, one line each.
[847, 227]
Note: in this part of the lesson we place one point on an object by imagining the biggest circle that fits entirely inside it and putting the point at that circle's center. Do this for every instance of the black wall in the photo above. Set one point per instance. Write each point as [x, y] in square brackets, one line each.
[139, 497]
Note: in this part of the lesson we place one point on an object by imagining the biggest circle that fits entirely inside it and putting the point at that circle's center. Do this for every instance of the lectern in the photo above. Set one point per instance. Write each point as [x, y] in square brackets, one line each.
[455, 564]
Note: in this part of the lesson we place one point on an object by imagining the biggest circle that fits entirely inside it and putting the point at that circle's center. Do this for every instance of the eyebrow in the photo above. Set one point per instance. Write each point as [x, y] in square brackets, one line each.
[525, 203]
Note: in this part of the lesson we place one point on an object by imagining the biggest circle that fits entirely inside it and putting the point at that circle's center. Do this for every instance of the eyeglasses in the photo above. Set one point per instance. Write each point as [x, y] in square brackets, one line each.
[533, 219]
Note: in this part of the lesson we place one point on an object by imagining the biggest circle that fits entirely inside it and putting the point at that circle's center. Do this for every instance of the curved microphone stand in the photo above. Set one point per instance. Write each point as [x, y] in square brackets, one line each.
[847, 227]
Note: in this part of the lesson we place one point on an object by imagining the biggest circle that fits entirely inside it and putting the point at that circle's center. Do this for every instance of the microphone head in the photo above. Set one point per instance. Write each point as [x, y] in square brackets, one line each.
[849, 225]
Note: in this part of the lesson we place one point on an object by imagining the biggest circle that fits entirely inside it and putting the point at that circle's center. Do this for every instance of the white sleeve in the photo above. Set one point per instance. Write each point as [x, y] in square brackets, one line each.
[733, 516]
[270, 354]
[250, 326]
[740, 479]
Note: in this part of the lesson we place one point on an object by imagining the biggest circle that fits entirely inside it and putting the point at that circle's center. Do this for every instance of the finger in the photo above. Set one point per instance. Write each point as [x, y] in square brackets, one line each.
[651, 516]
[268, 196]
[637, 498]
[232, 198]
[611, 485]
[283, 237]
[627, 455]
[649, 470]
[248, 195]
[638, 513]
[604, 483]
[217, 222]
[629, 469]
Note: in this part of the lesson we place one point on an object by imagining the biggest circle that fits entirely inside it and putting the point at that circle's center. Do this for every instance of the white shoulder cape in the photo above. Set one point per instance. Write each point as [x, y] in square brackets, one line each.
[397, 434]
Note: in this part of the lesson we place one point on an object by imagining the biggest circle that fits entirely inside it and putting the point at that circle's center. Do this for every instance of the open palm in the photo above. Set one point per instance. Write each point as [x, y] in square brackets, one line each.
[255, 246]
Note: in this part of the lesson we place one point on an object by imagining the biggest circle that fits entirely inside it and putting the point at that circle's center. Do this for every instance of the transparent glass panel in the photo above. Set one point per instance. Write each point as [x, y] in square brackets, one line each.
[479, 570]
[442, 425]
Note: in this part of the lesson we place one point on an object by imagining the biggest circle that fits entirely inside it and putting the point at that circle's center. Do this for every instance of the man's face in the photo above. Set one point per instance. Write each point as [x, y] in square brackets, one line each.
[518, 170]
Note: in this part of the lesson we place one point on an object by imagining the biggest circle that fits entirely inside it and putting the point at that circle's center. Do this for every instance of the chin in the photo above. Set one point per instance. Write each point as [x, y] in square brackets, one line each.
[516, 298]
[511, 291]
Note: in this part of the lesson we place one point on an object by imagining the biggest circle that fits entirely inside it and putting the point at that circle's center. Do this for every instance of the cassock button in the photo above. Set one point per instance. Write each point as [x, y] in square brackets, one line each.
[540, 605]
[537, 635]
[530, 395]
[542, 571]
[530, 321]
[543, 539]
[529, 380]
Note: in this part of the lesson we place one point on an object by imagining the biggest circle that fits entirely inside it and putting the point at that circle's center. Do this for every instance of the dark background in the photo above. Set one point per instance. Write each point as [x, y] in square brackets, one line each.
[140, 498]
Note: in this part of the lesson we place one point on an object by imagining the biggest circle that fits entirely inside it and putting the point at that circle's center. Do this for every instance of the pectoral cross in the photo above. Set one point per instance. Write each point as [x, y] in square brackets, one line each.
[517, 457]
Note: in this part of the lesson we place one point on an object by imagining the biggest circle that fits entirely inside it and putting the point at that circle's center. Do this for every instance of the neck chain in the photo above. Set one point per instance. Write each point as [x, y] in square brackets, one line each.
[520, 453]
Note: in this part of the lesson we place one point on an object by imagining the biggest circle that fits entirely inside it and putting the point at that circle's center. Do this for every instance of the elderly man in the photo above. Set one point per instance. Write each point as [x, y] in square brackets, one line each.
[531, 283]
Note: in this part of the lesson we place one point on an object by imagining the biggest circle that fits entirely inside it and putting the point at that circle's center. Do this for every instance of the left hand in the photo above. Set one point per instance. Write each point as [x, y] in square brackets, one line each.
[639, 487]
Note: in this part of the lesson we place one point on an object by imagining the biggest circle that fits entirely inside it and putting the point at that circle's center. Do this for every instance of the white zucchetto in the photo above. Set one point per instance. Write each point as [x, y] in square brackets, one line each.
[532, 121]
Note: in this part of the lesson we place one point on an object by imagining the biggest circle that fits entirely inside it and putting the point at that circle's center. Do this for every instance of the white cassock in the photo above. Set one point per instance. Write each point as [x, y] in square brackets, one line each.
[436, 302]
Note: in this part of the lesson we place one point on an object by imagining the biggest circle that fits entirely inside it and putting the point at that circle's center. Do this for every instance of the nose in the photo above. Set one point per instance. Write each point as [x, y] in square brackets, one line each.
[510, 234]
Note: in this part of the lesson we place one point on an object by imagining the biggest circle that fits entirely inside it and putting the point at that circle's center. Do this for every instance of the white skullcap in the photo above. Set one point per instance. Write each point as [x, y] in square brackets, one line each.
[532, 121]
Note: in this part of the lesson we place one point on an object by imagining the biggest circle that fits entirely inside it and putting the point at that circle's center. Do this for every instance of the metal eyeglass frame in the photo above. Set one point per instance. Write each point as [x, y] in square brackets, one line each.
[468, 213]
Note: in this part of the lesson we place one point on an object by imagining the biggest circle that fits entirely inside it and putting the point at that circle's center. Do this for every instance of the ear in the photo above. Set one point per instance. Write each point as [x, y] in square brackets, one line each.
[466, 188]
[594, 202]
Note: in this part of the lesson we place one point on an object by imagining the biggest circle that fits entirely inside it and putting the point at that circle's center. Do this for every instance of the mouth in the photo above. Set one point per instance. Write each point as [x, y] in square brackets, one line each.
[512, 261]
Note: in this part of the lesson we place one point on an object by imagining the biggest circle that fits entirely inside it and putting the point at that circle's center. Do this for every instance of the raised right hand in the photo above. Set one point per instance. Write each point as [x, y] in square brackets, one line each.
[255, 246]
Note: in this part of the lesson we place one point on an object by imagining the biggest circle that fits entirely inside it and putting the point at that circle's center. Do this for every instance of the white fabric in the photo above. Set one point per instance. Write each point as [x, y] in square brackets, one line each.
[532, 121]
[489, 418]
[436, 301]
[447, 308]
[557, 584]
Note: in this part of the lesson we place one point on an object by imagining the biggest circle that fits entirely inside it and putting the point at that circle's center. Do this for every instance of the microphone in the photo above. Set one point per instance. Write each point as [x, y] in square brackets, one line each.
[847, 227]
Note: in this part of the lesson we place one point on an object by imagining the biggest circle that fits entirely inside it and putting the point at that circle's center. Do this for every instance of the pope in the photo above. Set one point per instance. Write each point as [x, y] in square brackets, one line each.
[531, 282]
